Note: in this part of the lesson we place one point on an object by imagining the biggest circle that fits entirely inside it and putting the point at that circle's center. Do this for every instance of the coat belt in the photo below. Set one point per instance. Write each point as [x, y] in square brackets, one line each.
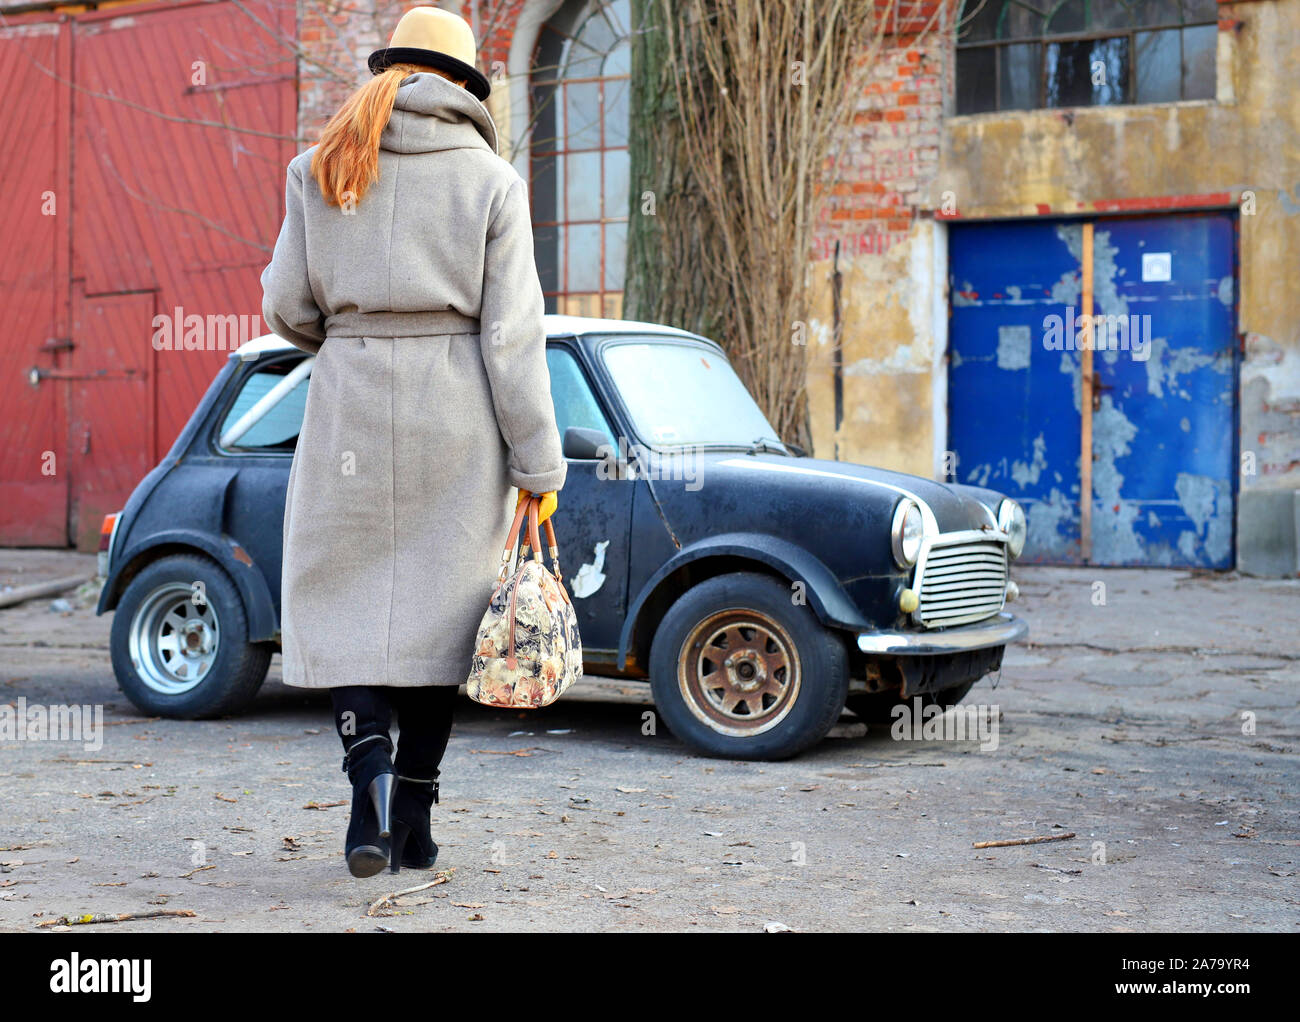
[399, 324]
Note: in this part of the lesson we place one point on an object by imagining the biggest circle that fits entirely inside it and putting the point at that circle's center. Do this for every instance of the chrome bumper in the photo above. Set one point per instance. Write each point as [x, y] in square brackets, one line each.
[995, 631]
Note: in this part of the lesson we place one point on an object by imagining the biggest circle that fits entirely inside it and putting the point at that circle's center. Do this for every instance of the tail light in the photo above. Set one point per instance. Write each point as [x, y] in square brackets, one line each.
[106, 532]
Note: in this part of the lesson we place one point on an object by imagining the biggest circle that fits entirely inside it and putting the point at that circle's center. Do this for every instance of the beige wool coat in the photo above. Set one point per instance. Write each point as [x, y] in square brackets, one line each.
[429, 400]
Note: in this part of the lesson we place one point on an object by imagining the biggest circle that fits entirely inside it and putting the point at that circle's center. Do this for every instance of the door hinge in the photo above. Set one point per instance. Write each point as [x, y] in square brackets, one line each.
[36, 374]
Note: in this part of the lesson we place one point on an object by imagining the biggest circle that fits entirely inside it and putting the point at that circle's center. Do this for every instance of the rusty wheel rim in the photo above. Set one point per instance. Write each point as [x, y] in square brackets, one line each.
[738, 671]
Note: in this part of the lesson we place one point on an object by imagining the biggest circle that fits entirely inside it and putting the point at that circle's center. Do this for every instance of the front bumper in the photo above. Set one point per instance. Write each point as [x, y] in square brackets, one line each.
[998, 630]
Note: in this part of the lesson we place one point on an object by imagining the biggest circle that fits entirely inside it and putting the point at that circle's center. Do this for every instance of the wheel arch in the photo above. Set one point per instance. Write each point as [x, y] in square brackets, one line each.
[250, 583]
[724, 554]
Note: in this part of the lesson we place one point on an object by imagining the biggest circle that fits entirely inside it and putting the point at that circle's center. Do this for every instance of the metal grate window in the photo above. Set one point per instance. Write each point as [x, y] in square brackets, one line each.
[580, 90]
[1027, 54]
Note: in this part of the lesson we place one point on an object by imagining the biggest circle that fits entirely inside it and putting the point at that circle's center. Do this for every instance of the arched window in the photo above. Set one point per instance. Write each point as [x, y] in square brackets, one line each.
[579, 96]
[1022, 54]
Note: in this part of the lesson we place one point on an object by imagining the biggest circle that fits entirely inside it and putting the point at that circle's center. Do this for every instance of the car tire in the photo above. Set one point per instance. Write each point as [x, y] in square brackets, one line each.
[878, 707]
[780, 688]
[175, 656]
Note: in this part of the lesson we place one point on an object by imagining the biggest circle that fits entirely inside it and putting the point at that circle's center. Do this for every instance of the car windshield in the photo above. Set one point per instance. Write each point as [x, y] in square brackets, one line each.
[682, 393]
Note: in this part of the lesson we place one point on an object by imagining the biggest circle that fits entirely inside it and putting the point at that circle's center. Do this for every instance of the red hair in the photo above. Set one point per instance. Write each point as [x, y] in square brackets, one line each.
[346, 161]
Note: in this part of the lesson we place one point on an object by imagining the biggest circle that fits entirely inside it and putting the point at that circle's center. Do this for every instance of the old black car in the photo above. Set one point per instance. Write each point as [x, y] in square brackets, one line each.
[758, 590]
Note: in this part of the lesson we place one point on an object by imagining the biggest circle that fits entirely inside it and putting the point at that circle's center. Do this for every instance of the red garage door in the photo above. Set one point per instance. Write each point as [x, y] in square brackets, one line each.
[161, 132]
[33, 282]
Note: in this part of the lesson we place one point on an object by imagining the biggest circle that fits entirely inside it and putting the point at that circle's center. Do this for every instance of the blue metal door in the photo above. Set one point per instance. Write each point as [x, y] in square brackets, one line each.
[1013, 405]
[1162, 428]
[1164, 419]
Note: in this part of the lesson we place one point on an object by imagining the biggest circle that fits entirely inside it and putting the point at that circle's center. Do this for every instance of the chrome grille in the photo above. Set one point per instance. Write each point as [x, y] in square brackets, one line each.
[961, 582]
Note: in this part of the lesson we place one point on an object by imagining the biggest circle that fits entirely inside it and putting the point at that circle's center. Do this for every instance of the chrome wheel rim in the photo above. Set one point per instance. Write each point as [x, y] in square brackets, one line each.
[738, 672]
[174, 641]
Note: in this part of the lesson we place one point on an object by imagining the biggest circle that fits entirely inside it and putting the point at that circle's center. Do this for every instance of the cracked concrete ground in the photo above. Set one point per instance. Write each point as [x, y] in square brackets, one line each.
[1160, 727]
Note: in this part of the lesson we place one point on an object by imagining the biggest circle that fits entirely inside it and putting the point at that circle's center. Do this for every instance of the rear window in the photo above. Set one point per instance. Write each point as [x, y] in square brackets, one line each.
[278, 427]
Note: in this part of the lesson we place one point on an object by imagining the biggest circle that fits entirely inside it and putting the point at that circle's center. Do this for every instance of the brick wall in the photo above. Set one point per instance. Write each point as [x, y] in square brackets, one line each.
[336, 37]
[875, 367]
[494, 26]
[890, 156]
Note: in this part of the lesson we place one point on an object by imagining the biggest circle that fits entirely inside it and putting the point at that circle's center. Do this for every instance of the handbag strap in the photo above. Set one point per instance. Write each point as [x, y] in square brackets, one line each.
[512, 544]
[554, 549]
[512, 550]
[552, 546]
[534, 539]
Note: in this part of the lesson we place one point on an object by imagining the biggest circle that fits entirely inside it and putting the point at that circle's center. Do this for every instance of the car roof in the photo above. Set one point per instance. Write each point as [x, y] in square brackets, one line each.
[556, 326]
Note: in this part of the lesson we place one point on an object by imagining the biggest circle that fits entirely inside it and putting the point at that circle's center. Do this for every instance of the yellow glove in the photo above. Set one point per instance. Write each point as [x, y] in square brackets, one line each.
[549, 501]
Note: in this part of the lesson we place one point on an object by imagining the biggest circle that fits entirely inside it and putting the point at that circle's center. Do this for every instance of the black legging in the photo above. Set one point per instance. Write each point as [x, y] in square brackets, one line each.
[423, 712]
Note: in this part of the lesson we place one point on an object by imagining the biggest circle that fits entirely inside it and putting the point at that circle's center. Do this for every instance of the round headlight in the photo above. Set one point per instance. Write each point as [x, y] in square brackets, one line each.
[1011, 520]
[906, 532]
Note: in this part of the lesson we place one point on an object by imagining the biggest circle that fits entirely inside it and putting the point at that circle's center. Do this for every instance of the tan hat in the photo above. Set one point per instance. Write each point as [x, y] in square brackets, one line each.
[434, 38]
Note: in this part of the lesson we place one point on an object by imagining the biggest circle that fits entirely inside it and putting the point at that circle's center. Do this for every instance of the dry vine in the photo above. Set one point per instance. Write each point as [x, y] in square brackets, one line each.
[744, 103]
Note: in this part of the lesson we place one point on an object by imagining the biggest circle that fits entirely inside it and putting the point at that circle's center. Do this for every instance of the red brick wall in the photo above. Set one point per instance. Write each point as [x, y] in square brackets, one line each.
[495, 29]
[889, 158]
[336, 37]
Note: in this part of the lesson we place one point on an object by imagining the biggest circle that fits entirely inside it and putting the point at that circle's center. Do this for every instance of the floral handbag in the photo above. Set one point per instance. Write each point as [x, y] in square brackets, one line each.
[528, 651]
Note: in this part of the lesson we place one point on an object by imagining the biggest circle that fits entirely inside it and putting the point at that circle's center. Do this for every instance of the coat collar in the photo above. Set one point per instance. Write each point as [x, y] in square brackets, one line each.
[431, 113]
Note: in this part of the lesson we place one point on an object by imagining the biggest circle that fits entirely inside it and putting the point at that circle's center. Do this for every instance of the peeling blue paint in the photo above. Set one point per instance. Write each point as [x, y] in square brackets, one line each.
[1106, 295]
[959, 295]
[1114, 538]
[1014, 344]
[1026, 474]
[1226, 291]
[1208, 503]
[1166, 364]
[1051, 522]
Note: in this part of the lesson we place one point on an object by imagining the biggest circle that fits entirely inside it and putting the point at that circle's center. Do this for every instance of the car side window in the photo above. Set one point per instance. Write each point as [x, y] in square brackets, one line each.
[575, 404]
[278, 428]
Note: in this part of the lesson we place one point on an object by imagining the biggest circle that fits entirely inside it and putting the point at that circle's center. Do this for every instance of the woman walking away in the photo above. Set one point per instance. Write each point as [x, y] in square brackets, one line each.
[405, 265]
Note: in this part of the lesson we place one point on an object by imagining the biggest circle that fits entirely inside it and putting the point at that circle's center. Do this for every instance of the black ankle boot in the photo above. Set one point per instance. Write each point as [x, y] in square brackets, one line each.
[413, 845]
[424, 717]
[369, 766]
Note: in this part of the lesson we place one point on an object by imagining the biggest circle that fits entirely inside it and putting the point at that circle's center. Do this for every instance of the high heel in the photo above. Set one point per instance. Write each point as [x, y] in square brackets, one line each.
[397, 846]
[382, 790]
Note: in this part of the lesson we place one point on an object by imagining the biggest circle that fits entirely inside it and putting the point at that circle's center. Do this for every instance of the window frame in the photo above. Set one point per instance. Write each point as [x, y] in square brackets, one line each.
[236, 386]
[1047, 39]
[552, 90]
[630, 424]
[602, 403]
